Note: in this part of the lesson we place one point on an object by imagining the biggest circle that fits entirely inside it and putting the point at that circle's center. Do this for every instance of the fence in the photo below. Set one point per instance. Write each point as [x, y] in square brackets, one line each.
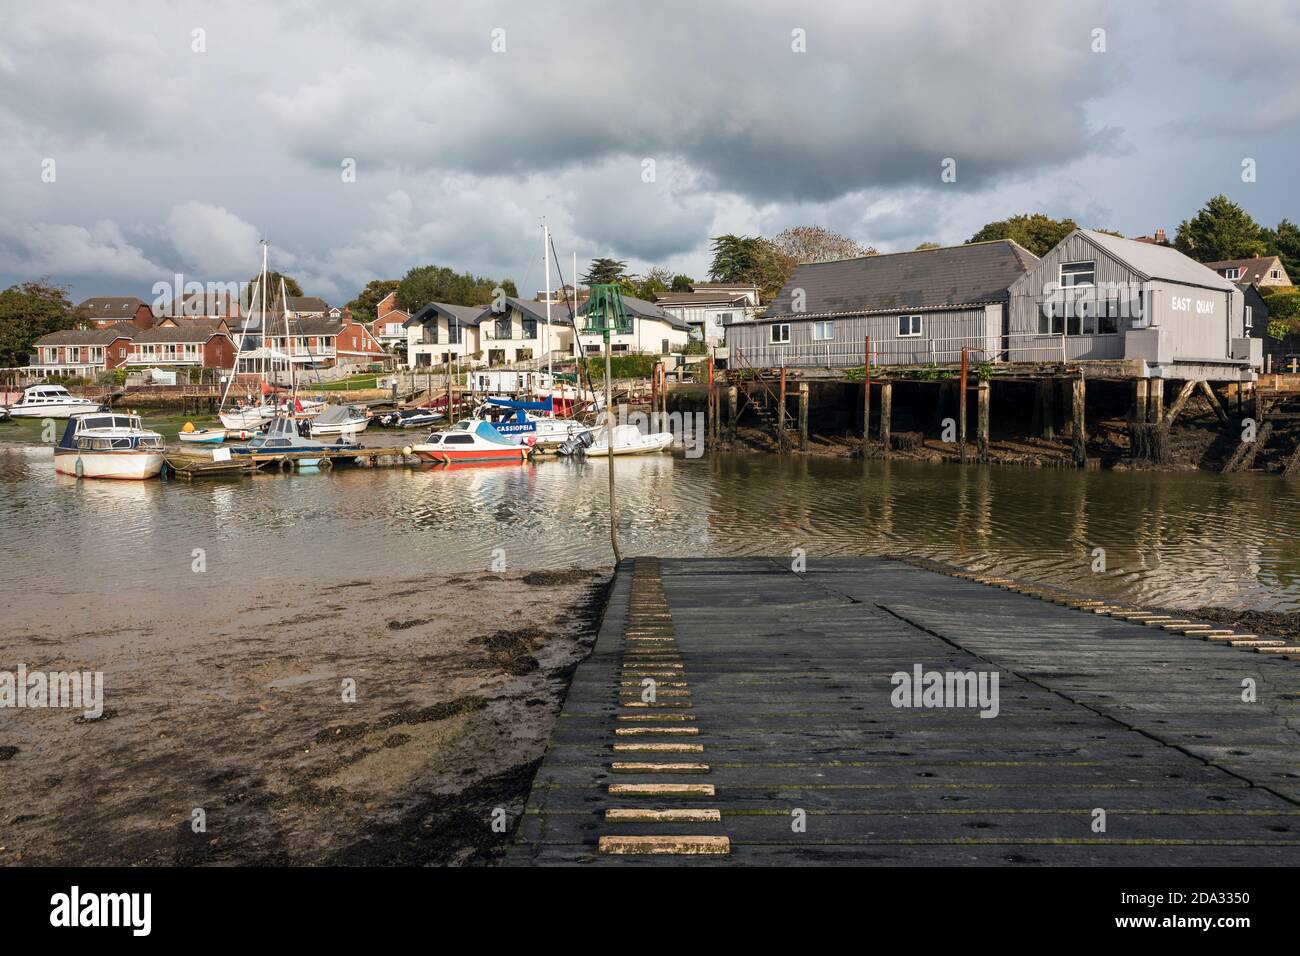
[1039, 347]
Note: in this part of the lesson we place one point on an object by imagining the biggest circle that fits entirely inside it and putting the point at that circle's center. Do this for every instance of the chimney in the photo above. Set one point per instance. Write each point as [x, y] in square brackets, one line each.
[1160, 236]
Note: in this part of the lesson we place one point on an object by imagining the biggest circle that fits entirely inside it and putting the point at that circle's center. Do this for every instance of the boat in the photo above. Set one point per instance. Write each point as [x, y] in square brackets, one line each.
[201, 436]
[628, 440]
[51, 401]
[421, 417]
[242, 416]
[518, 420]
[340, 420]
[282, 437]
[108, 445]
[467, 441]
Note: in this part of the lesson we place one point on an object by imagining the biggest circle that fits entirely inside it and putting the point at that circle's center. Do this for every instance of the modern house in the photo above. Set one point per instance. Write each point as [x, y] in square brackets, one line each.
[389, 326]
[919, 308]
[1098, 297]
[710, 306]
[85, 353]
[1256, 271]
[654, 331]
[106, 311]
[440, 333]
[520, 332]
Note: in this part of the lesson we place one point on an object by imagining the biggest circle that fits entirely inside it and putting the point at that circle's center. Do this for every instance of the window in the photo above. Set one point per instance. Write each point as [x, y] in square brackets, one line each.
[458, 440]
[530, 328]
[1233, 273]
[453, 334]
[121, 353]
[1275, 274]
[664, 350]
[723, 318]
[823, 331]
[74, 354]
[909, 325]
[1078, 273]
[780, 332]
[501, 328]
[1250, 318]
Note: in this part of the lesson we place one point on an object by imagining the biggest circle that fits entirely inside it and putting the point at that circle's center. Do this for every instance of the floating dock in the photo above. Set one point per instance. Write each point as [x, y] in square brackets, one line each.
[1122, 737]
[187, 463]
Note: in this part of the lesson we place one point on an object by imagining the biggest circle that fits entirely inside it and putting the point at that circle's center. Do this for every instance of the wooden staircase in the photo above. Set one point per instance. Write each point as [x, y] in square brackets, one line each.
[759, 390]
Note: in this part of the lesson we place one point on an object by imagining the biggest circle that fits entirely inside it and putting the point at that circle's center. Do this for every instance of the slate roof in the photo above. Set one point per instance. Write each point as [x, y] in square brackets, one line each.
[1254, 269]
[104, 308]
[187, 330]
[1157, 262]
[465, 314]
[87, 336]
[976, 273]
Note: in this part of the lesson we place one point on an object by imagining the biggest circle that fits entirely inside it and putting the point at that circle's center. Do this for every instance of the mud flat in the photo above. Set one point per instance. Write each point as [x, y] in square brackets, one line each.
[239, 712]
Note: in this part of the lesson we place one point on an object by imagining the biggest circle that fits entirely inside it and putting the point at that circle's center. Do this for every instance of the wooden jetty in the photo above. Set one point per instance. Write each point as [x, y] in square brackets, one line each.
[191, 463]
[1122, 737]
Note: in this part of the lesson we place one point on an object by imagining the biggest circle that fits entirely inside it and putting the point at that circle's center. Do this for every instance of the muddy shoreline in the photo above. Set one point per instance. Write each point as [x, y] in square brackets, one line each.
[458, 681]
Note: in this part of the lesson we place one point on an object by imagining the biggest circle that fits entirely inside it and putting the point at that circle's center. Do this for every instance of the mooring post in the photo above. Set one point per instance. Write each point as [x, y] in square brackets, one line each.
[1047, 411]
[866, 394]
[1156, 400]
[1079, 426]
[654, 396]
[961, 408]
[1141, 397]
[983, 392]
[732, 406]
[709, 401]
[780, 413]
[886, 414]
[803, 416]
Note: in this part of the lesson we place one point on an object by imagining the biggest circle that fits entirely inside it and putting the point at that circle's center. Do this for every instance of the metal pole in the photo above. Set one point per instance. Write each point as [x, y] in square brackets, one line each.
[609, 446]
[866, 394]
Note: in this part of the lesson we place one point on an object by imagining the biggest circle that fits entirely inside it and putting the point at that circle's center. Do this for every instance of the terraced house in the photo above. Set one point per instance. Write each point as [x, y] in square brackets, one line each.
[85, 353]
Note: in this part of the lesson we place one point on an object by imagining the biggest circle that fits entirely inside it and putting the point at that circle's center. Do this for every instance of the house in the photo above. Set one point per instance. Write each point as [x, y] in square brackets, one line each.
[710, 306]
[306, 306]
[919, 307]
[389, 326]
[440, 333]
[1098, 297]
[1159, 239]
[520, 332]
[1256, 271]
[81, 353]
[106, 311]
[319, 342]
[196, 343]
[655, 331]
[199, 305]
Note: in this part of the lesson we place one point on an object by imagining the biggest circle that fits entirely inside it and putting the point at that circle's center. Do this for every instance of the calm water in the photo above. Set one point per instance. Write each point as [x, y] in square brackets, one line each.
[1180, 539]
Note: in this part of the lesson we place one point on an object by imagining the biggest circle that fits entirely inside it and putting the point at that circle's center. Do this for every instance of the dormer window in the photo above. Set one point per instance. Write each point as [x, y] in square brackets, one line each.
[1234, 273]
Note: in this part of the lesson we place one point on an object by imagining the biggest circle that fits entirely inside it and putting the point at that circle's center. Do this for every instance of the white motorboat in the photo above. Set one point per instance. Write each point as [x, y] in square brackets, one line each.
[340, 420]
[51, 401]
[520, 421]
[201, 436]
[241, 417]
[628, 440]
[469, 441]
[108, 445]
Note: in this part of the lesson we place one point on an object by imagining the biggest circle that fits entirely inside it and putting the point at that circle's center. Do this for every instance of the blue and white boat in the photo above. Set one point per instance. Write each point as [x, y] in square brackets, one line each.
[282, 437]
[108, 445]
[520, 421]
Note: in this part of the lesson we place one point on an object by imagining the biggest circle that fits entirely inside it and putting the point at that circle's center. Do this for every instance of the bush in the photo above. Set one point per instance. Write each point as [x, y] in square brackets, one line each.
[621, 366]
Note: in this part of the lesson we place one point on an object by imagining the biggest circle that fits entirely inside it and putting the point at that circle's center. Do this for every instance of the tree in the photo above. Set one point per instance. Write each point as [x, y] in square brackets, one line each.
[1284, 241]
[734, 258]
[425, 284]
[927, 245]
[653, 284]
[681, 283]
[365, 306]
[1221, 230]
[816, 244]
[606, 271]
[291, 286]
[1034, 231]
[29, 311]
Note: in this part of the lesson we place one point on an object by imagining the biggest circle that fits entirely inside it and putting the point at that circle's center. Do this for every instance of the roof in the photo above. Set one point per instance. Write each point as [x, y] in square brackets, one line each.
[1252, 269]
[648, 310]
[976, 273]
[189, 330]
[699, 287]
[464, 314]
[1156, 262]
[536, 310]
[720, 297]
[198, 304]
[87, 336]
[305, 303]
[106, 307]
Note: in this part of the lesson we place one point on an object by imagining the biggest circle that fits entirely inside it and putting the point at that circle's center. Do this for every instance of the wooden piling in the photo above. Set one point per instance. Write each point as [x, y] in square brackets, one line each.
[983, 392]
[711, 396]
[1047, 413]
[654, 395]
[1141, 399]
[733, 400]
[1080, 430]
[886, 414]
[803, 416]
[961, 408]
[1181, 400]
[780, 414]
[1156, 400]
[1214, 401]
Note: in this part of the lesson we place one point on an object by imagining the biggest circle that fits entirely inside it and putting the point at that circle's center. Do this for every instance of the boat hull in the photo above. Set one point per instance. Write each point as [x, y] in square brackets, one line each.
[253, 418]
[125, 465]
[204, 437]
[52, 410]
[340, 429]
[648, 446]
[454, 456]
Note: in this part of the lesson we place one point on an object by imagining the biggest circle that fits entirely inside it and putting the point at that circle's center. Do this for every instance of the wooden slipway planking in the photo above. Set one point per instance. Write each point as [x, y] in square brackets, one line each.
[808, 761]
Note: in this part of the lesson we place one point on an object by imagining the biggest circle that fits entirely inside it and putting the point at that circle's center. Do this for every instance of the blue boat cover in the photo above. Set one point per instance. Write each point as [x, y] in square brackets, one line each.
[546, 406]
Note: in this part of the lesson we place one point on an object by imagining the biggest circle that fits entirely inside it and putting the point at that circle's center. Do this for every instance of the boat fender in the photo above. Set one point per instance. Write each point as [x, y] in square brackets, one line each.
[79, 468]
[407, 451]
[325, 464]
[286, 466]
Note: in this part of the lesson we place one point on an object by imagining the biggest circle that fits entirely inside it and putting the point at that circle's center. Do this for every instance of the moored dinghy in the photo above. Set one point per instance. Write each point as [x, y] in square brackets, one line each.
[628, 440]
[201, 436]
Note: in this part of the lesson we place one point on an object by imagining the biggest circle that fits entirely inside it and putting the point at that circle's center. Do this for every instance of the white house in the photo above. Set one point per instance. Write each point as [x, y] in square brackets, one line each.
[711, 306]
[520, 332]
[442, 332]
[654, 331]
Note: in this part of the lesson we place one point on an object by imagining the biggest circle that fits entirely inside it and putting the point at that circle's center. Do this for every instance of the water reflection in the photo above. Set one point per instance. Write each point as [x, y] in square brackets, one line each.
[1181, 539]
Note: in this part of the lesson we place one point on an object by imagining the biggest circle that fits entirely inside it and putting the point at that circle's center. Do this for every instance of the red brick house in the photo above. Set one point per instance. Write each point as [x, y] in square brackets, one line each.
[85, 353]
[82, 353]
[107, 311]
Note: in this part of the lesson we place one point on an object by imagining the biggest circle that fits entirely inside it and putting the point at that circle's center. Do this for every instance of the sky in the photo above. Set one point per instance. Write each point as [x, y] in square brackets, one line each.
[148, 139]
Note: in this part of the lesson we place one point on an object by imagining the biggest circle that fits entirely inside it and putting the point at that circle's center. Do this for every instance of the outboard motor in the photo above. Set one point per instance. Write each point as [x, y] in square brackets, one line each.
[577, 444]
